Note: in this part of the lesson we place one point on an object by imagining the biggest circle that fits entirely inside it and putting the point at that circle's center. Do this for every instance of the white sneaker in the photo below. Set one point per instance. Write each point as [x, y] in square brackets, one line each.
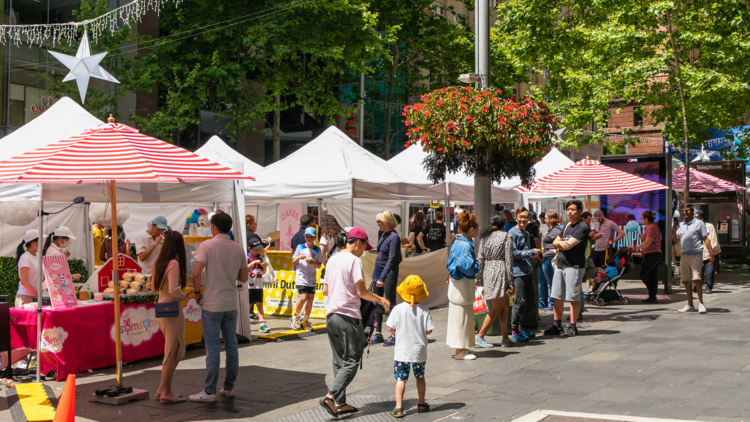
[506, 343]
[226, 393]
[203, 397]
[687, 308]
[701, 309]
[465, 355]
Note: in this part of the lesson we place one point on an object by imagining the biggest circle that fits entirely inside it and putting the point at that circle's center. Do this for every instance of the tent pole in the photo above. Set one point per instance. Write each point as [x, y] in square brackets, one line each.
[40, 280]
[351, 213]
[116, 279]
[90, 258]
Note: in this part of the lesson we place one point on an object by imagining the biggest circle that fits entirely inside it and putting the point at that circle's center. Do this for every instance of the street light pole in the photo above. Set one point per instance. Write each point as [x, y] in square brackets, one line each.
[482, 183]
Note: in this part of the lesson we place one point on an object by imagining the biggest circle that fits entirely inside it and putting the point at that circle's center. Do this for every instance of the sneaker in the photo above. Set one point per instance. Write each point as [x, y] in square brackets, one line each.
[264, 328]
[708, 291]
[376, 338]
[526, 333]
[294, 322]
[465, 355]
[687, 308]
[570, 331]
[227, 393]
[701, 309]
[390, 342]
[518, 337]
[554, 330]
[650, 300]
[483, 343]
[506, 343]
[254, 317]
[203, 397]
[302, 325]
[548, 309]
[309, 327]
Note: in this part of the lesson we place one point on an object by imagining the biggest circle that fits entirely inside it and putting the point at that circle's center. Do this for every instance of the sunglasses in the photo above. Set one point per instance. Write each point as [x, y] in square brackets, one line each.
[687, 211]
[378, 222]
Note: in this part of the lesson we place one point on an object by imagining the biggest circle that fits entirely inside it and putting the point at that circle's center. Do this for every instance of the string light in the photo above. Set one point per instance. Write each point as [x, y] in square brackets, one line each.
[58, 32]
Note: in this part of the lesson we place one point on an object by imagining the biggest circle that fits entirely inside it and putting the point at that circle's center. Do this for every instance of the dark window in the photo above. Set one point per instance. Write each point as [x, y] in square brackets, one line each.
[637, 118]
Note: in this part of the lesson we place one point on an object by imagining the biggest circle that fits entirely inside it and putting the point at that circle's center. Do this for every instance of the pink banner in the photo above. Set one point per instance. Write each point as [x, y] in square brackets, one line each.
[59, 281]
[78, 339]
[289, 215]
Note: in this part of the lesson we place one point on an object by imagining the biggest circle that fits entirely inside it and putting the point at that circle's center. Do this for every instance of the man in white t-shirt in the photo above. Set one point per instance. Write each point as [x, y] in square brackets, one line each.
[148, 244]
[607, 235]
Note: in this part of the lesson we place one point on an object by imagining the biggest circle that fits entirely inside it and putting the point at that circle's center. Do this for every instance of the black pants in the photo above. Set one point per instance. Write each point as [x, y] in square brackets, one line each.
[523, 302]
[388, 291]
[650, 271]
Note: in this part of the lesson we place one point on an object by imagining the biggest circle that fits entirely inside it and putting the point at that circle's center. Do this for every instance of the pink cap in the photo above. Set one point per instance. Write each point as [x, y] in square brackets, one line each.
[357, 233]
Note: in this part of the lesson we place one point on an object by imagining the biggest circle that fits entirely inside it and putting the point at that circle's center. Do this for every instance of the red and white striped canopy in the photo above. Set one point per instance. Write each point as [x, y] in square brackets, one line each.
[702, 182]
[590, 177]
[112, 151]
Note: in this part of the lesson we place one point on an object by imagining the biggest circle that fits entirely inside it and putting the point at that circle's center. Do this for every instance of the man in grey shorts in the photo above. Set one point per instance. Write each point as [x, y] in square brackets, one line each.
[571, 266]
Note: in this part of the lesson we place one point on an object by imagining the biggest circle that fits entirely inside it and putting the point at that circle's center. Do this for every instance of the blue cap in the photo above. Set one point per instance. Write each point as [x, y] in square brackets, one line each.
[311, 231]
[161, 223]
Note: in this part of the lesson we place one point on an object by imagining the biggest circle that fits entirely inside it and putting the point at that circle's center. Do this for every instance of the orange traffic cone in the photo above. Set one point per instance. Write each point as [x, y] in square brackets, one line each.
[66, 406]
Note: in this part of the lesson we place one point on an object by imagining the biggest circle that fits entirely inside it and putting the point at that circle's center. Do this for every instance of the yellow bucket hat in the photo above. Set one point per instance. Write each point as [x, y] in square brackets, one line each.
[412, 289]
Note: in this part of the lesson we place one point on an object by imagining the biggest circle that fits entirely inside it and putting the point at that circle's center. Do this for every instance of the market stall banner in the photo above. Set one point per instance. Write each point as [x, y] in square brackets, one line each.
[288, 224]
[59, 281]
[279, 298]
[78, 339]
[430, 267]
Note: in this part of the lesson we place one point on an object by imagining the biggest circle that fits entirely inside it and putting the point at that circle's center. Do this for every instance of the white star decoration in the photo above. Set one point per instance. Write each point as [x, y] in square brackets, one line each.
[84, 66]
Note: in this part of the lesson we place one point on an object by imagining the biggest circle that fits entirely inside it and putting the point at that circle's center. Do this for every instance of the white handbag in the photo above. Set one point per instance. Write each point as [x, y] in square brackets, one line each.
[461, 292]
[269, 275]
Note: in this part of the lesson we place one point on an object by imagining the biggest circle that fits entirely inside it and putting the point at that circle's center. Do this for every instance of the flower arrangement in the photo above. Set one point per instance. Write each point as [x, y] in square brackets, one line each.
[480, 132]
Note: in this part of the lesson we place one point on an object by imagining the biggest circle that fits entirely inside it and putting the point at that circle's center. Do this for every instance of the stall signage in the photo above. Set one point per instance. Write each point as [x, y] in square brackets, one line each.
[136, 326]
[53, 339]
[289, 215]
[733, 171]
[192, 311]
[46, 103]
[59, 281]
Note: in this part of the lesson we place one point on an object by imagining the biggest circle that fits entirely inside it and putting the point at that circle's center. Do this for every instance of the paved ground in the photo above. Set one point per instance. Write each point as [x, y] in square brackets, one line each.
[637, 360]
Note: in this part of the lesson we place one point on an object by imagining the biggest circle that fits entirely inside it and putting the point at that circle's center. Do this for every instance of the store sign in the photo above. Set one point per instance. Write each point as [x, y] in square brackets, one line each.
[732, 171]
[192, 311]
[136, 326]
[39, 109]
[53, 339]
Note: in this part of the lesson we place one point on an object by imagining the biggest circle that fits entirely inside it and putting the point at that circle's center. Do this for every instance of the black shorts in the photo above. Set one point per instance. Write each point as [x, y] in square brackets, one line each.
[306, 290]
[599, 258]
[256, 295]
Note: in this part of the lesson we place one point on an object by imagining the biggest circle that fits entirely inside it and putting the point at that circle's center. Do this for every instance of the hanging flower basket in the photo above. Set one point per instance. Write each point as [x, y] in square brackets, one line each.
[480, 133]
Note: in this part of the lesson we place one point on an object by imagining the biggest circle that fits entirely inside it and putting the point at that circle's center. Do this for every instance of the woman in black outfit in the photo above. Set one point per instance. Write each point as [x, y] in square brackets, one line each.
[416, 227]
[385, 274]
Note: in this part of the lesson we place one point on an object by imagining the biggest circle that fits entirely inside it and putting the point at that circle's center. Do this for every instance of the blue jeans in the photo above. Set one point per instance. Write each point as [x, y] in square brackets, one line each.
[545, 282]
[215, 326]
[709, 271]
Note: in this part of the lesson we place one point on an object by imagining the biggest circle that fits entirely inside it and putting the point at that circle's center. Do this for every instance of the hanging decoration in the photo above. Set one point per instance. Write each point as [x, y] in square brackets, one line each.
[67, 32]
[84, 66]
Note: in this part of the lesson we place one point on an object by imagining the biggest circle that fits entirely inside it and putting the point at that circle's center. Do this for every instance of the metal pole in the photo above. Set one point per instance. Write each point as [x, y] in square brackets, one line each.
[116, 278]
[361, 112]
[40, 280]
[482, 183]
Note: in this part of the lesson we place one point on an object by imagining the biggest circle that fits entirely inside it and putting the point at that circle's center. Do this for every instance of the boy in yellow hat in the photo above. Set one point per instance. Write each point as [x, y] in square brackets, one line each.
[411, 322]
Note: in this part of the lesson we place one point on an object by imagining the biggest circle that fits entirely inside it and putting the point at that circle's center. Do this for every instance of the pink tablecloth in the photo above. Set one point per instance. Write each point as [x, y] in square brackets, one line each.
[78, 339]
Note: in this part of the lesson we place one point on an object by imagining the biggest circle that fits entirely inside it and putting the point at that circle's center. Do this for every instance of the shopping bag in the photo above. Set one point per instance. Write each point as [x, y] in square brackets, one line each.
[269, 275]
[480, 306]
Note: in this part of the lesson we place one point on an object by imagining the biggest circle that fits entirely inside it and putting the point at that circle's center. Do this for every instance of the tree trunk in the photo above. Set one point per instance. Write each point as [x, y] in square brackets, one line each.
[684, 109]
[277, 129]
[389, 99]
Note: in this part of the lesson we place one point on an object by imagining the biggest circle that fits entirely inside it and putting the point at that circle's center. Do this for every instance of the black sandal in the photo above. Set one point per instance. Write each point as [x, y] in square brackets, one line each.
[346, 412]
[324, 402]
[398, 412]
[423, 407]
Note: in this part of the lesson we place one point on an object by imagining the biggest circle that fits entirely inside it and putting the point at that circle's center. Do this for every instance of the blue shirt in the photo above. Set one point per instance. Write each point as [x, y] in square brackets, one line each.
[462, 262]
[691, 237]
[611, 272]
[522, 252]
[509, 225]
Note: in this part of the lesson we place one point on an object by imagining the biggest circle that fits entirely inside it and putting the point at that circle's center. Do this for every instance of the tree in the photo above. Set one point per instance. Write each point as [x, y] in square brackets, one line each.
[480, 133]
[689, 59]
[247, 59]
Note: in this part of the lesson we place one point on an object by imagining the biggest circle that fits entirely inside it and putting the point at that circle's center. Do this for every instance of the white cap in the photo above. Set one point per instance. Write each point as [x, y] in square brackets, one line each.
[62, 231]
[30, 235]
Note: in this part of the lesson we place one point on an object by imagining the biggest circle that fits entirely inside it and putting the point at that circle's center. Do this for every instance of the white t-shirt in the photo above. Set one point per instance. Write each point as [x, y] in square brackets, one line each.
[29, 261]
[342, 273]
[304, 273]
[223, 259]
[411, 325]
[143, 242]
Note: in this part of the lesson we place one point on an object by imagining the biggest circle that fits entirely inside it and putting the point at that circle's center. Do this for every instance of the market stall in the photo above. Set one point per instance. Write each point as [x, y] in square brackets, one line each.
[147, 169]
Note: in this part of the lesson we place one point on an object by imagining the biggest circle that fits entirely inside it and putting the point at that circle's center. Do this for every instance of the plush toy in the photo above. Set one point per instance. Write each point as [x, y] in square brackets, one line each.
[194, 216]
[139, 278]
[127, 276]
[205, 220]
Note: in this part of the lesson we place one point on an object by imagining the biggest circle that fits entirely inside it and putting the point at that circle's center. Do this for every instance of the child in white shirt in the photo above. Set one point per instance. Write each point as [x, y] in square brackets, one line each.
[307, 259]
[413, 323]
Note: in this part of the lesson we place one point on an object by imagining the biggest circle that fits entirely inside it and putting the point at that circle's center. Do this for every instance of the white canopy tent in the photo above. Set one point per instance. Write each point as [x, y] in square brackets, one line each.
[217, 150]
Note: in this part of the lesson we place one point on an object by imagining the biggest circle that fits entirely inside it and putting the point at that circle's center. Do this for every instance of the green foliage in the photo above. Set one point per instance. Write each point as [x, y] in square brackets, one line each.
[480, 132]
[9, 280]
[599, 51]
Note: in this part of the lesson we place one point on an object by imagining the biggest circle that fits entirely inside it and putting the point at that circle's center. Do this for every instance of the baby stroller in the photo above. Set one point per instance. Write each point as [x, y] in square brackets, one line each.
[606, 291]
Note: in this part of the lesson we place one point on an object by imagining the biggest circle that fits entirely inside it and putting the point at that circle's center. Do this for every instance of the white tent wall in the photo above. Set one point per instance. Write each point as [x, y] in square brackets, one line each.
[364, 215]
[11, 236]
